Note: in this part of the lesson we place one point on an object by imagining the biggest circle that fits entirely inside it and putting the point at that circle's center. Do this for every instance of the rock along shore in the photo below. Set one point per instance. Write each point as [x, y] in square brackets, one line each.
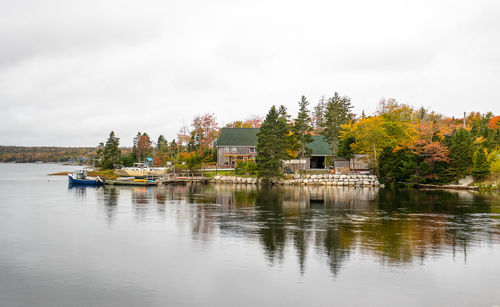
[353, 180]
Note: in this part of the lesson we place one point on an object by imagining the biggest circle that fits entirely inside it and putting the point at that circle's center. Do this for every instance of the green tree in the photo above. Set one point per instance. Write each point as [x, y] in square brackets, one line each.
[272, 145]
[194, 162]
[302, 129]
[481, 165]
[99, 158]
[318, 113]
[337, 113]
[161, 145]
[112, 151]
[461, 152]
[345, 149]
[173, 150]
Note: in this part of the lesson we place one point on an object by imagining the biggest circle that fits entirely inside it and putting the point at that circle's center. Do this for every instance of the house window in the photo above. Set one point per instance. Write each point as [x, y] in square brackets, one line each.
[252, 150]
[234, 150]
[226, 160]
[226, 149]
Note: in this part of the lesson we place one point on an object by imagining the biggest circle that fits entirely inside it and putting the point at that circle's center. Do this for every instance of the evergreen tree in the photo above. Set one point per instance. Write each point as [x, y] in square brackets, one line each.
[172, 149]
[301, 130]
[285, 129]
[161, 145]
[319, 111]
[136, 145]
[112, 152]
[271, 145]
[481, 166]
[337, 113]
[461, 151]
[99, 155]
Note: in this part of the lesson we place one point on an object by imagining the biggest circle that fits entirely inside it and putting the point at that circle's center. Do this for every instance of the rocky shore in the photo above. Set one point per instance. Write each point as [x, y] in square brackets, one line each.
[353, 180]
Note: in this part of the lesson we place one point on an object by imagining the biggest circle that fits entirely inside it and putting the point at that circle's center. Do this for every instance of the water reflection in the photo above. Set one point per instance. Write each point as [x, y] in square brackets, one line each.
[395, 227]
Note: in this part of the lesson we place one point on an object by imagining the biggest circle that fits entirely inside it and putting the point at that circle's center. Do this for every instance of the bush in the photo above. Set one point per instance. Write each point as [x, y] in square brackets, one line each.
[128, 159]
[246, 168]
[194, 162]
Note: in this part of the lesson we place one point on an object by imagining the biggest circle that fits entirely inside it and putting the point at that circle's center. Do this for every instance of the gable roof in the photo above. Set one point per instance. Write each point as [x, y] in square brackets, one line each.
[319, 146]
[238, 137]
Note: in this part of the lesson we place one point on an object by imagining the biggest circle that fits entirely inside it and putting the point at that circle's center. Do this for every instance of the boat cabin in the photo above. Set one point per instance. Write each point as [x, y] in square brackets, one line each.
[80, 174]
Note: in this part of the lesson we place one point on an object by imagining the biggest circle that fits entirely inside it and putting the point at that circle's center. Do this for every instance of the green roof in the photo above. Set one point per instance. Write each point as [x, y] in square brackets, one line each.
[238, 137]
[248, 137]
[319, 146]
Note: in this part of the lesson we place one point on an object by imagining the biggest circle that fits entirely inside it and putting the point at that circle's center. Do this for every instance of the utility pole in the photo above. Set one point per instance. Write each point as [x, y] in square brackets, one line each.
[464, 120]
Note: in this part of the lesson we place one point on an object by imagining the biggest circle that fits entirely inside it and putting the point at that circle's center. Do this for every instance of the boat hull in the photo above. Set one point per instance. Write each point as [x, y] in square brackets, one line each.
[88, 182]
[138, 172]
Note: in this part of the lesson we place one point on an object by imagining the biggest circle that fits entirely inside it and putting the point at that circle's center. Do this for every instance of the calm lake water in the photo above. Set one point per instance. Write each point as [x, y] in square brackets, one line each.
[222, 245]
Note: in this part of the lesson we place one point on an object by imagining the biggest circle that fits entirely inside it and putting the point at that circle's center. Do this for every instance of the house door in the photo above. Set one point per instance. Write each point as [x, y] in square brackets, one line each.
[317, 162]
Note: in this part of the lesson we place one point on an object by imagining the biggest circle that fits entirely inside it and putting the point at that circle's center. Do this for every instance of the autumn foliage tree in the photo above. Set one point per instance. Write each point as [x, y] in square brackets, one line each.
[142, 146]
[206, 128]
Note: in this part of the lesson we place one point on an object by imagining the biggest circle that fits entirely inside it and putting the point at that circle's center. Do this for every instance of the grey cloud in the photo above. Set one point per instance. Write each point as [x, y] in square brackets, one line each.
[148, 66]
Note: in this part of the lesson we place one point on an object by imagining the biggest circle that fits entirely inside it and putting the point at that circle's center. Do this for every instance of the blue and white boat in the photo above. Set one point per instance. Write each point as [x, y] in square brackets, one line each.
[79, 177]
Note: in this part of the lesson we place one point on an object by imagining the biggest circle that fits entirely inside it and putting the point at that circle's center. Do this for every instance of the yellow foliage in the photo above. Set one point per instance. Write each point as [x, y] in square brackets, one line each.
[479, 140]
[494, 159]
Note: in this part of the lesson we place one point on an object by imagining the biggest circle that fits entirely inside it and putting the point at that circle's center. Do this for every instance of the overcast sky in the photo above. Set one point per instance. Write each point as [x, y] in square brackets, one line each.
[72, 71]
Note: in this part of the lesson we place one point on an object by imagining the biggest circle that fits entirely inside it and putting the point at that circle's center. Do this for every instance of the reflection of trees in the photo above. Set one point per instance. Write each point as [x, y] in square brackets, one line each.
[301, 235]
[111, 194]
[337, 243]
[393, 227]
[270, 217]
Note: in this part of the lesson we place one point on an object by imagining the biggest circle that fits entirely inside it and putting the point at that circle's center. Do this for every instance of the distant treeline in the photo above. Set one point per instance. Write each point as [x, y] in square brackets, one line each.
[46, 154]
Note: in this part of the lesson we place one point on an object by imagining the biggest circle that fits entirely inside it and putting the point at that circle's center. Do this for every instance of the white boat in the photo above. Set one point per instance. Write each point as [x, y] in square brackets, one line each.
[141, 170]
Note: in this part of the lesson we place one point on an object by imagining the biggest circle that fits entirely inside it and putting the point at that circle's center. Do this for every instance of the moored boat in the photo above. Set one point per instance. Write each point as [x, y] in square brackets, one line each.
[141, 170]
[79, 177]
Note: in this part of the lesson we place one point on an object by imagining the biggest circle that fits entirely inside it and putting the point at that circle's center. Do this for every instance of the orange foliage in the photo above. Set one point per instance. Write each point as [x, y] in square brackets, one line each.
[432, 151]
[252, 122]
[207, 128]
[494, 123]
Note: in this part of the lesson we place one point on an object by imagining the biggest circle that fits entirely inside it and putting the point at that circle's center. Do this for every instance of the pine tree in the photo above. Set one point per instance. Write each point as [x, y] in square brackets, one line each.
[161, 145]
[111, 152]
[301, 130]
[461, 151]
[271, 145]
[337, 113]
[481, 166]
[319, 111]
[99, 155]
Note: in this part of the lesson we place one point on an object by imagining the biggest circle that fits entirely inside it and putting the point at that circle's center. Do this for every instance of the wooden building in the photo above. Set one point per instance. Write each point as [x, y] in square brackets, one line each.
[240, 144]
[236, 144]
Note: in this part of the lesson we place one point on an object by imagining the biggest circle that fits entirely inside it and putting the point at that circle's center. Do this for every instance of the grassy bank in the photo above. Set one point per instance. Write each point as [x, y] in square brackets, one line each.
[104, 174]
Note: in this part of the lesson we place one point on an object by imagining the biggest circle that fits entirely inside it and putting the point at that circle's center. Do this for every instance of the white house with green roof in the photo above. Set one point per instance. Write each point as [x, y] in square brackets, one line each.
[240, 144]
